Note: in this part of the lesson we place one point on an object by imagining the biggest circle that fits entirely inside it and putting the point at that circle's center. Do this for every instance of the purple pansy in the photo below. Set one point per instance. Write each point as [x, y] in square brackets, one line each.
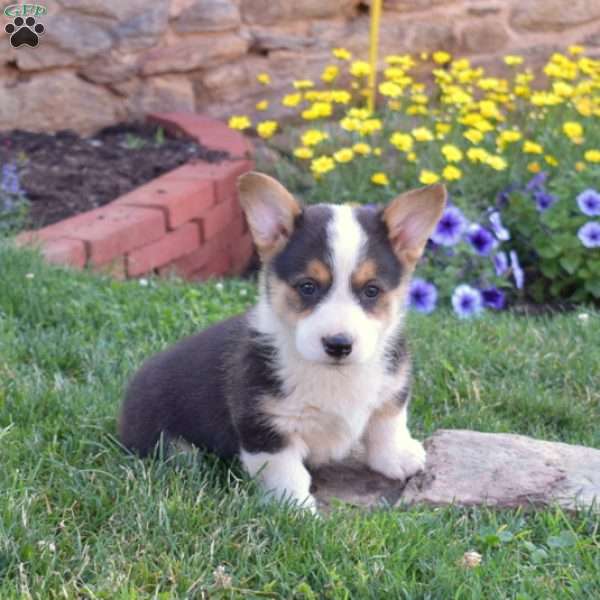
[466, 301]
[589, 202]
[517, 272]
[493, 298]
[9, 181]
[481, 239]
[537, 182]
[500, 263]
[422, 295]
[499, 230]
[543, 200]
[450, 227]
[589, 234]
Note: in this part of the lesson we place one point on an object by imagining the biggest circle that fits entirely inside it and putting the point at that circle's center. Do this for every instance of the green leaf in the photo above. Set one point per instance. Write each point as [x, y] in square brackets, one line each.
[565, 540]
[570, 263]
[593, 287]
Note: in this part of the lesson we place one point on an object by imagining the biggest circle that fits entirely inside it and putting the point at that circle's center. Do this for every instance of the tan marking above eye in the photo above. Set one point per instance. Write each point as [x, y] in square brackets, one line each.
[319, 271]
[365, 272]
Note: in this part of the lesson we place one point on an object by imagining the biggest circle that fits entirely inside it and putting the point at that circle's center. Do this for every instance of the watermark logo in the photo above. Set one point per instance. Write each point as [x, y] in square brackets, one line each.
[25, 28]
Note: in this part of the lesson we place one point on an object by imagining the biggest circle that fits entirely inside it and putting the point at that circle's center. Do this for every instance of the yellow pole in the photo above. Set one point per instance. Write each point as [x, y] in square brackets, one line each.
[374, 44]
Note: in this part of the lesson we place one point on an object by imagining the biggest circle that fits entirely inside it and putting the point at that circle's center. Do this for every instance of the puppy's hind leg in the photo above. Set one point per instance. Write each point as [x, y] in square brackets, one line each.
[282, 474]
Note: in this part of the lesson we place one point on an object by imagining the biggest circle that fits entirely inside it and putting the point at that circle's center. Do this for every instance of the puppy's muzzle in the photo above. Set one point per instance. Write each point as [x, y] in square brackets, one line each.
[337, 346]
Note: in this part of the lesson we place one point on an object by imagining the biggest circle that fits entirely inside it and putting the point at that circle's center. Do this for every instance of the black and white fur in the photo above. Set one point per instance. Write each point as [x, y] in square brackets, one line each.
[319, 364]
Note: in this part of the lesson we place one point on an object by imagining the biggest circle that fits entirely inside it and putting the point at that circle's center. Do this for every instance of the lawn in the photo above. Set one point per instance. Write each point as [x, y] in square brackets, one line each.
[81, 519]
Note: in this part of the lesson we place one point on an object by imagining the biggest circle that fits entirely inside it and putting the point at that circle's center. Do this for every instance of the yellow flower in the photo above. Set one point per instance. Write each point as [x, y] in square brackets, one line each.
[377, 151]
[360, 68]
[473, 135]
[417, 109]
[563, 89]
[291, 100]
[551, 160]
[341, 96]
[534, 167]
[532, 148]
[262, 105]
[422, 134]
[330, 73]
[443, 128]
[317, 110]
[574, 131]
[264, 78]
[452, 153]
[484, 126]
[390, 89]
[362, 148]
[580, 166]
[266, 129]
[427, 177]
[592, 156]
[369, 126]
[508, 136]
[411, 157]
[545, 99]
[380, 178]
[323, 164]
[394, 104]
[402, 141]
[451, 173]
[303, 153]
[576, 50]
[350, 124]
[478, 155]
[512, 60]
[441, 58]
[342, 53]
[312, 137]
[344, 155]
[496, 162]
[359, 113]
[240, 122]
[302, 84]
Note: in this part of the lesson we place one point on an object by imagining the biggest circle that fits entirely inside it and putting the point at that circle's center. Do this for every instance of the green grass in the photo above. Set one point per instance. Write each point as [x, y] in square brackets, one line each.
[81, 519]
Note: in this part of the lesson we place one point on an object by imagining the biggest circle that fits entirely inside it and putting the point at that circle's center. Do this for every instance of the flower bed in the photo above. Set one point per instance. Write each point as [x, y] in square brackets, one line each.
[518, 150]
[186, 222]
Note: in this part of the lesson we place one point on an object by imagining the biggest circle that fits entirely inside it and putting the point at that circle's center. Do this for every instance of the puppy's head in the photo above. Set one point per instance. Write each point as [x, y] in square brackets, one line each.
[335, 277]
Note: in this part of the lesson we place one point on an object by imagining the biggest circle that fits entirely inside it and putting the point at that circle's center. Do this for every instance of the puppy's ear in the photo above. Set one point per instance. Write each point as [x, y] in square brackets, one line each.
[411, 218]
[270, 210]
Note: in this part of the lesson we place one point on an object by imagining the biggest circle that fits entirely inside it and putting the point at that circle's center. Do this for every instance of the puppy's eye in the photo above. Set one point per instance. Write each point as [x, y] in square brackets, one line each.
[307, 287]
[371, 290]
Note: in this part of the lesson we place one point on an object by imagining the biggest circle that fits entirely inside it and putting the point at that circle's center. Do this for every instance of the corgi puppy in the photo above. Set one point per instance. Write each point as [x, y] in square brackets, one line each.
[319, 364]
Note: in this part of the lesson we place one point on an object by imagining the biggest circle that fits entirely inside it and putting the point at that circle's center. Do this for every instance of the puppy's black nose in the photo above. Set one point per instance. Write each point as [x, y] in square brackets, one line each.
[338, 345]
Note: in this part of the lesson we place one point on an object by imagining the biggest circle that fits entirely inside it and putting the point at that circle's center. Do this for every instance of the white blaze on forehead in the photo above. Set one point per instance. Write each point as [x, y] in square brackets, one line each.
[346, 241]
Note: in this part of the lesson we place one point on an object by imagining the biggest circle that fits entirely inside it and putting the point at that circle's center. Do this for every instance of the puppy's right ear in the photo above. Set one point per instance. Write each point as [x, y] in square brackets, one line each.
[270, 210]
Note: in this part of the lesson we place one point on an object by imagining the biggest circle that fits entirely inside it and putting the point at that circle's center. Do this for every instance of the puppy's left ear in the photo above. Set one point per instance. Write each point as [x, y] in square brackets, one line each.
[270, 211]
[411, 219]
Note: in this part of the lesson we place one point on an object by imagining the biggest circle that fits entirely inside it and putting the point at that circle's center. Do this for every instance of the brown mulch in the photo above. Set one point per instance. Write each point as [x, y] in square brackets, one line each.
[64, 174]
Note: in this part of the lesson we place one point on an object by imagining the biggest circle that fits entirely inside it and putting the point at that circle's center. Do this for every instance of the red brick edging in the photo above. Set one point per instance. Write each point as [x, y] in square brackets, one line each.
[187, 221]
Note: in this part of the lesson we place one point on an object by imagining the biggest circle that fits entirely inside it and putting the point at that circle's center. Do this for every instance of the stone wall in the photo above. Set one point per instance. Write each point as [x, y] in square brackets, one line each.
[101, 61]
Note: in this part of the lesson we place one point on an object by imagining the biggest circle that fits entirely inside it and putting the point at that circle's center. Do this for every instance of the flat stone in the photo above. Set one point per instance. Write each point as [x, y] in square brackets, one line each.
[69, 39]
[207, 50]
[57, 100]
[269, 12]
[469, 468]
[484, 36]
[208, 15]
[553, 15]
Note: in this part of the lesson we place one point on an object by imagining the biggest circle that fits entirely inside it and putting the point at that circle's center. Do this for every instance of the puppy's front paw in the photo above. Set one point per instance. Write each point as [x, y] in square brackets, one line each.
[401, 461]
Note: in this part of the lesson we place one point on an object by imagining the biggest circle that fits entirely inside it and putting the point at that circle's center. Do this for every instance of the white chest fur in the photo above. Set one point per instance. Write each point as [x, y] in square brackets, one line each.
[326, 409]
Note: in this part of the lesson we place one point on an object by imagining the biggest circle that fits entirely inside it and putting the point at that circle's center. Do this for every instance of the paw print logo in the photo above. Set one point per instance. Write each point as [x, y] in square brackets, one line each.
[24, 31]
